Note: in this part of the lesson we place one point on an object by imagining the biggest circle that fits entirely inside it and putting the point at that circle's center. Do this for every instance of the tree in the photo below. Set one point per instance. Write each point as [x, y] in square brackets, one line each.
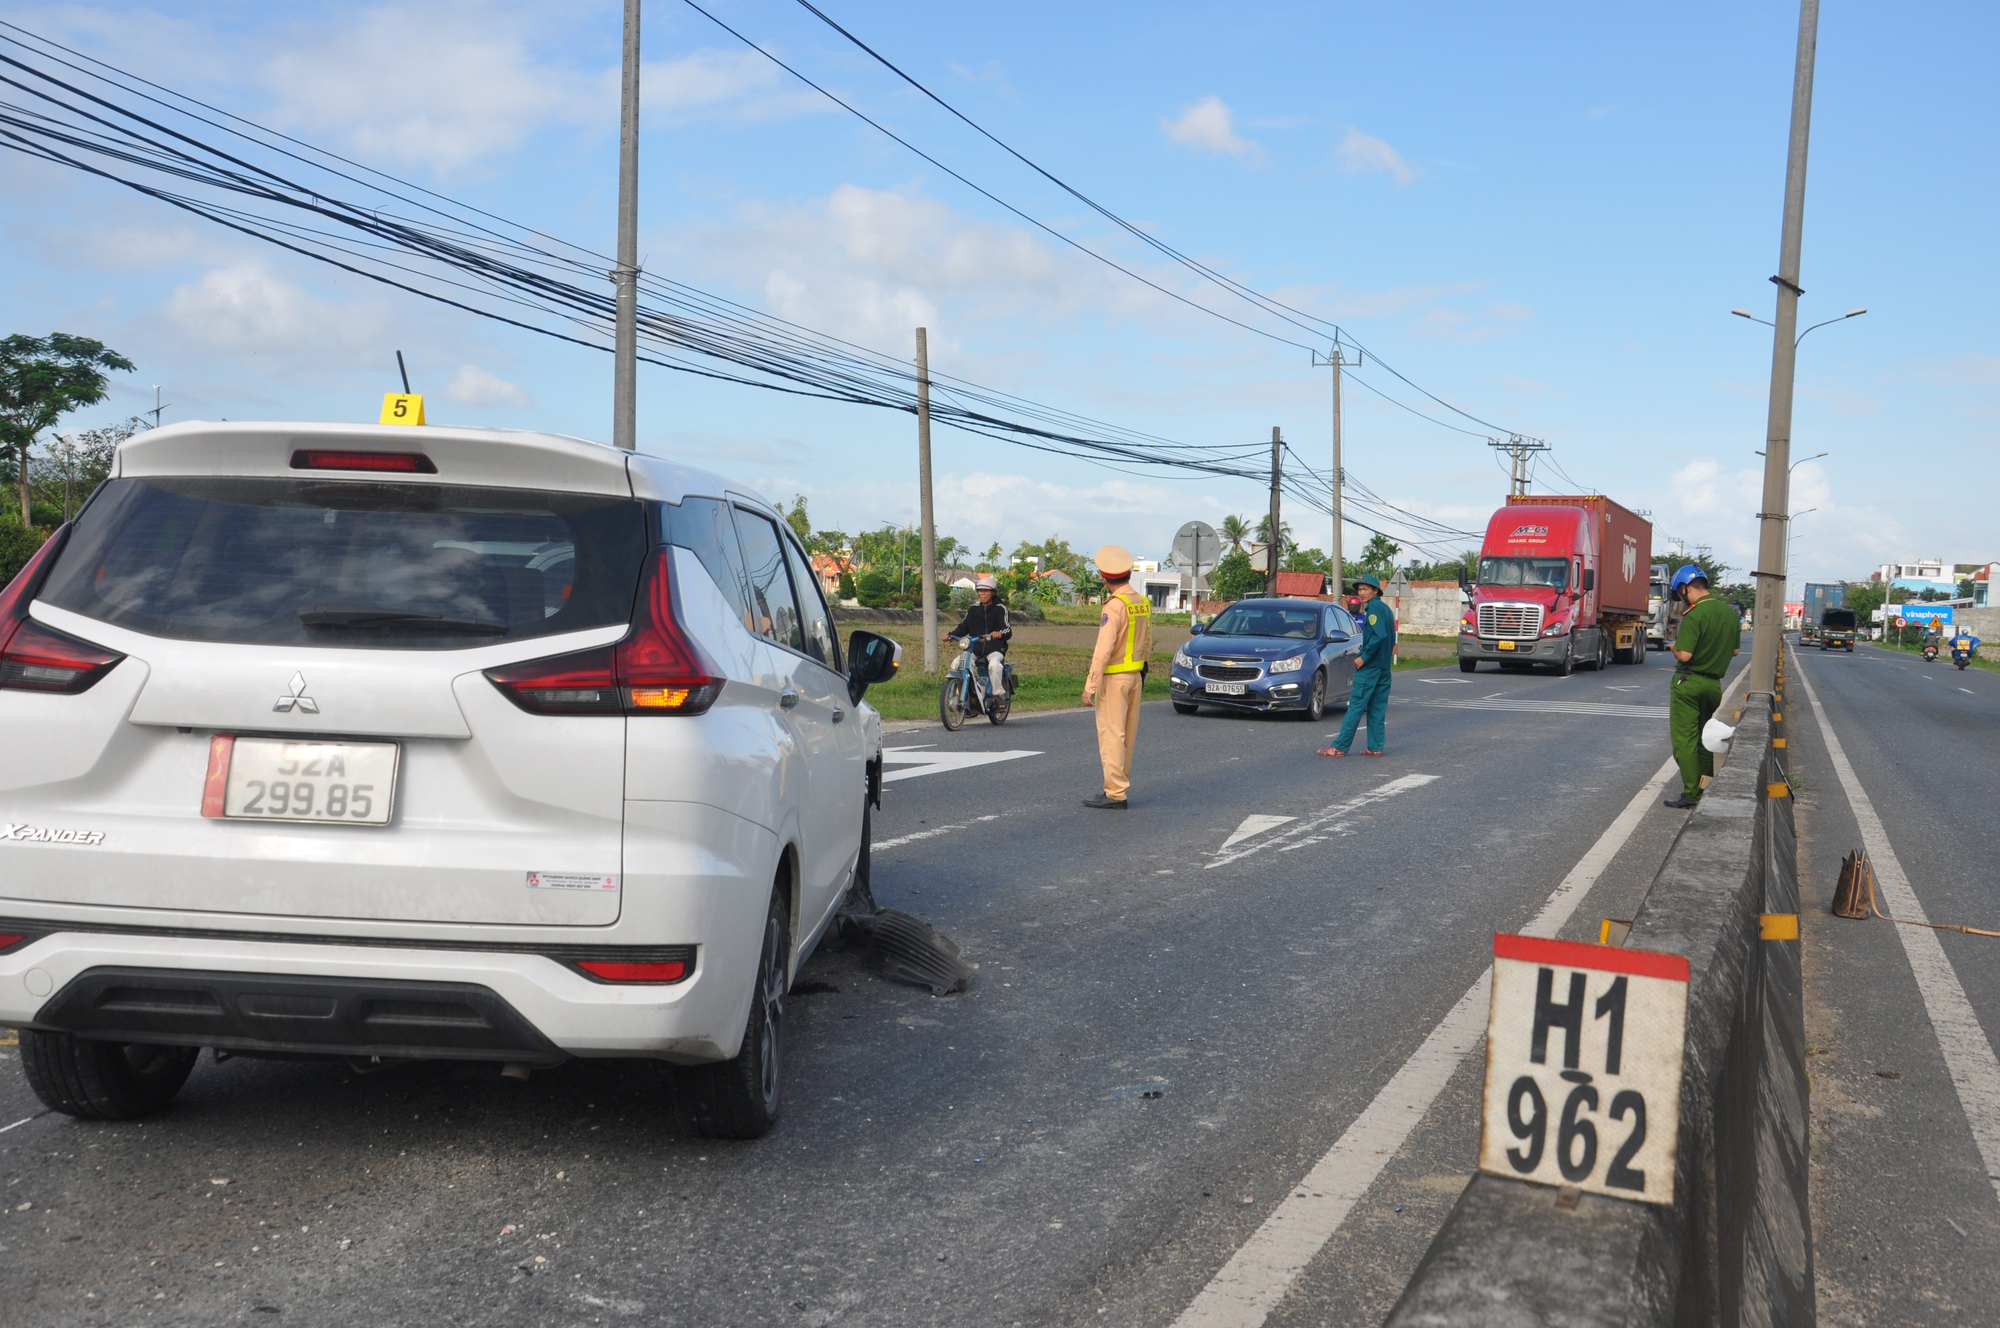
[1284, 533]
[1468, 562]
[43, 379]
[1379, 556]
[1234, 531]
[990, 560]
[74, 464]
[1299, 558]
[1234, 577]
[795, 517]
[948, 550]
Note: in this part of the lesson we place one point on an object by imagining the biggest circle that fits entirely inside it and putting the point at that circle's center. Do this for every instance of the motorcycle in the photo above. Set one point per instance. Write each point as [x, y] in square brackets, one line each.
[968, 691]
[1930, 653]
[1961, 651]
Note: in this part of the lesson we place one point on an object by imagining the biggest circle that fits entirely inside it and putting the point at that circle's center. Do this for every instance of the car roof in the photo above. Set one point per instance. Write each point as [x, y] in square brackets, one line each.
[496, 458]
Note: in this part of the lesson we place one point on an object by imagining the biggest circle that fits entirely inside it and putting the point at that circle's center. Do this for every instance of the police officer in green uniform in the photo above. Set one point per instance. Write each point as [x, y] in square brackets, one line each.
[1711, 634]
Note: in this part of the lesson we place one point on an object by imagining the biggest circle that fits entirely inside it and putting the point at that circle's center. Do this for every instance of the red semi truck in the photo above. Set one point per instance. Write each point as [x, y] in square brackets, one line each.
[1563, 581]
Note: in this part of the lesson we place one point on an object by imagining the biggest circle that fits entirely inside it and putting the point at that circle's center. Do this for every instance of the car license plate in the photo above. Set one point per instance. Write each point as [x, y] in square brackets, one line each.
[1506, 645]
[321, 783]
[1226, 688]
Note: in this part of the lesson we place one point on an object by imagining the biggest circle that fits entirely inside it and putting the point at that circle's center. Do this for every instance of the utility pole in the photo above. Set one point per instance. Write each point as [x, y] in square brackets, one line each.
[924, 502]
[158, 408]
[1518, 449]
[1771, 554]
[1271, 544]
[1337, 361]
[625, 351]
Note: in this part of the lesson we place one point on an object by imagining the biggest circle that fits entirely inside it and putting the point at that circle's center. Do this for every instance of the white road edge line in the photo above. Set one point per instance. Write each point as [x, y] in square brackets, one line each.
[1259, 1274]
[1968, 1054]
[23, 1121]
[931, 833]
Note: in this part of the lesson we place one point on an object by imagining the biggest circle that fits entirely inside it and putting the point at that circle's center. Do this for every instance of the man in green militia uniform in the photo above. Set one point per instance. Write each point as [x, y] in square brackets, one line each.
[1711, 634]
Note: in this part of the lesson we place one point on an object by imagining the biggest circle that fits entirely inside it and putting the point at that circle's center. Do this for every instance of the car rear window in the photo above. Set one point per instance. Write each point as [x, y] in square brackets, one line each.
[349, 563]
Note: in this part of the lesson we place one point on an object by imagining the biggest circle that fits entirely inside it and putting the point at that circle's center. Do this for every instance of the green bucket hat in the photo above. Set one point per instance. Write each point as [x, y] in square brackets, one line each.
[1368, 579]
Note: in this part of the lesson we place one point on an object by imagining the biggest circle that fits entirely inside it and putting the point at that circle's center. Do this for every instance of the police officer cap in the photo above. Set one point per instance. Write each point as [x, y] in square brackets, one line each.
[1113, 561]
[1368, 579]
[1689, 572]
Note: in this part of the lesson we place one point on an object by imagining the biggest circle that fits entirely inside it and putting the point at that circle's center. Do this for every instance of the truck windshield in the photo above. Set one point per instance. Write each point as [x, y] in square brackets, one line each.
[1552, 573]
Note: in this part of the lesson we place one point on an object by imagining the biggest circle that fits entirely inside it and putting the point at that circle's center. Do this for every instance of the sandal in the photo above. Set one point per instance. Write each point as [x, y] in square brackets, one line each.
[1366, 752]
[1331, 751]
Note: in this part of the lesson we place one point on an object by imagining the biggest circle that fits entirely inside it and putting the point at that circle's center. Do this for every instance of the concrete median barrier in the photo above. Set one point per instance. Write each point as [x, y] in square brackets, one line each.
[1735, 1247]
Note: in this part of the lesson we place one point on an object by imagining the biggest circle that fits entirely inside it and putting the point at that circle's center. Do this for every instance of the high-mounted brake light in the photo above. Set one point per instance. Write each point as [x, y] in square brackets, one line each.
[656, 670]
[406, 463]
[613, 971]
[38, 658]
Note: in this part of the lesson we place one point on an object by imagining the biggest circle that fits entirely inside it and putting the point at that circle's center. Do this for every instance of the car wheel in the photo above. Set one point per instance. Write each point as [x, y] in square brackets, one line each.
[103, 1080]
[738, 1099]
[1568, 665]
[1316, 701]
[1468, 666]
[1183, 708]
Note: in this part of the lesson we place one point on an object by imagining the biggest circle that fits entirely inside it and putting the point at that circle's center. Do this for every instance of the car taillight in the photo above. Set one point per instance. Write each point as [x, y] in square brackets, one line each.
[8, 940]
[406, 463]
[38, 658]
[656, 670]
[620, 971]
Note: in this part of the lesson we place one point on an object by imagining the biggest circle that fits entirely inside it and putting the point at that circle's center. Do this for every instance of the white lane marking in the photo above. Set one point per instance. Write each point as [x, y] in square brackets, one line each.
[1447, 682]
[1326, 818]
[1257, 1276]
[1968, 1054]
[931, 762]
[931, 833]
[1967, 690]
[1549, 707]
[1254, 825]
[23, 1121]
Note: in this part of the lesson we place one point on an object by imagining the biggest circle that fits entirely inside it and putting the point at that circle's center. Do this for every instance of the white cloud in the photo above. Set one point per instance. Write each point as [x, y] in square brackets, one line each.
[1361, 153]
[742, 83]
[474, 386]
[247, 310]
[1210, 124]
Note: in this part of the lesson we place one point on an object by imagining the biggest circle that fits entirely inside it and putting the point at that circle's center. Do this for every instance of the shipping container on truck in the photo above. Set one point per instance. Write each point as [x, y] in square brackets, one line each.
[1820, 596]
[1564, 580]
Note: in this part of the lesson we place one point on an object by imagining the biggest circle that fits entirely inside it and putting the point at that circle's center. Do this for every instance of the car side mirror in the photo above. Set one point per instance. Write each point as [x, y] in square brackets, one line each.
[1195, 629]
[1589, 579]
[871, 658]
[1463, 579]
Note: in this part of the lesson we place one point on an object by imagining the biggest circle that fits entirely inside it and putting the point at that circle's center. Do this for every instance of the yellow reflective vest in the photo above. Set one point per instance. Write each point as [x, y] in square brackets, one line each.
[1124, 634]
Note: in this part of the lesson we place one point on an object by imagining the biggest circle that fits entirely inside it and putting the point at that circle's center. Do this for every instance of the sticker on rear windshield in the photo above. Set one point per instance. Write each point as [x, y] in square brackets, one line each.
[571, 881]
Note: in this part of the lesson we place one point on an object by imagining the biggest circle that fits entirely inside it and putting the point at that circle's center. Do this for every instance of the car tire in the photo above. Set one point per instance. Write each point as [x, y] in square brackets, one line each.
[1568, 665]
[1468, 666]
[739, 1098]
[93, 1080]
[1183, 708]
[1315, 709]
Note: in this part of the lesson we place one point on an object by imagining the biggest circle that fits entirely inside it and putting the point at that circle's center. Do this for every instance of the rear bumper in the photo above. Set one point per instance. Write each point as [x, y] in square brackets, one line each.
[334, 999]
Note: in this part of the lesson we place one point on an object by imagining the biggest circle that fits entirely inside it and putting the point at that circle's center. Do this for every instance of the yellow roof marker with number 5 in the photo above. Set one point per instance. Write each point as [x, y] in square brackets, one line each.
[402, 408]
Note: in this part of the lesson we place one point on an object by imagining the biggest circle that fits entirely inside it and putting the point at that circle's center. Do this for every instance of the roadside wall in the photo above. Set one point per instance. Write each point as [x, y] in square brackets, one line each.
[1430, 607]
[1984, 624]
[1736, 1246]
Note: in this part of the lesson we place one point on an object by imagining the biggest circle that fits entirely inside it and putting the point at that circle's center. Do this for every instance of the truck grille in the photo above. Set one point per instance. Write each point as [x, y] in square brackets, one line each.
[1227, 672]
[1510, 622]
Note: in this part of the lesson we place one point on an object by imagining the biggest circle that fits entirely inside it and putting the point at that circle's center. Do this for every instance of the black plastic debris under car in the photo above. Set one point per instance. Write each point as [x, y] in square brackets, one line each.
[899, 946]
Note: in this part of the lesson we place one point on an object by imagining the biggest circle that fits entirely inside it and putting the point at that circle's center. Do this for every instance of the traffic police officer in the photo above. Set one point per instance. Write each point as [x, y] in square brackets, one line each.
[1372, 669]
[1118, 674]
[1710, 635]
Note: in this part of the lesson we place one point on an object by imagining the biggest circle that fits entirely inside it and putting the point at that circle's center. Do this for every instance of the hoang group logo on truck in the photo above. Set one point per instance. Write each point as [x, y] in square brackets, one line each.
[1524, 531]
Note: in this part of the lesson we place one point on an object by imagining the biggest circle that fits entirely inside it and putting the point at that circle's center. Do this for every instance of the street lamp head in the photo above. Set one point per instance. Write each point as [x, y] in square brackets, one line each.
[1744, 313]
[1855, 313]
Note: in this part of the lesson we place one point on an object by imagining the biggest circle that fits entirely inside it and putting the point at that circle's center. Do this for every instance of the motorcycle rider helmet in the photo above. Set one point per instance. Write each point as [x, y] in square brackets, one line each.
[1689, 572]
[986, 583]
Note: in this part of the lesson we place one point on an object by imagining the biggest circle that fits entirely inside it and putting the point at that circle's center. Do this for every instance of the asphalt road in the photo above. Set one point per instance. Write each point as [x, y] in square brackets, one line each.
[1905, 1218]
[1161, 1039]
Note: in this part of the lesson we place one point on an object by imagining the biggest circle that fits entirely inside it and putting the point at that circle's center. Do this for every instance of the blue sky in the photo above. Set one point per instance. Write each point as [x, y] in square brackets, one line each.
[1541, 213]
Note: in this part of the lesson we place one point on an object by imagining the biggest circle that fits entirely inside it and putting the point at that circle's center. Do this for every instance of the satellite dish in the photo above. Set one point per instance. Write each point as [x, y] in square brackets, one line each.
[1197, 548]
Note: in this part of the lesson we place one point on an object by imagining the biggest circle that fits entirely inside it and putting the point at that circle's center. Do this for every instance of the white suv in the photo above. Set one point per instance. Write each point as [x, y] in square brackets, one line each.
[390, 743]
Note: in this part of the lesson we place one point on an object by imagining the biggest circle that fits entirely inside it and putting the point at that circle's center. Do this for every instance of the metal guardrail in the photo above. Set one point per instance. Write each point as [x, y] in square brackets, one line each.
[1736, 1246]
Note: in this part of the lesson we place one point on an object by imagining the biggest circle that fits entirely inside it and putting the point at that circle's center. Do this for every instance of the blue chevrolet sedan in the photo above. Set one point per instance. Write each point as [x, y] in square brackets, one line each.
[1269, 654]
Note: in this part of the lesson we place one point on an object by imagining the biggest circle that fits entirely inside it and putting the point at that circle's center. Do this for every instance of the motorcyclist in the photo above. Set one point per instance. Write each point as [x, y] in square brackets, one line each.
[986, 622]
[1934, 637]
[1964, 645]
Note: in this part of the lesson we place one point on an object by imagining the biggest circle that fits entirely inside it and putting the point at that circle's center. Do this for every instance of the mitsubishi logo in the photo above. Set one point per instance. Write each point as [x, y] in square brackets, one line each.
[296, 698]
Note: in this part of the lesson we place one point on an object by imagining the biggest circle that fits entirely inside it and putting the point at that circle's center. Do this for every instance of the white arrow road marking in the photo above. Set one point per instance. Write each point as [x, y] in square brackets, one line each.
[931, 762]
[1254, 825]
[1326, 819]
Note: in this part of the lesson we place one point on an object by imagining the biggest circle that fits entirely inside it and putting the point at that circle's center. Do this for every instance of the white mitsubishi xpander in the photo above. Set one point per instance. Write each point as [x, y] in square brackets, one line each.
[389, 743]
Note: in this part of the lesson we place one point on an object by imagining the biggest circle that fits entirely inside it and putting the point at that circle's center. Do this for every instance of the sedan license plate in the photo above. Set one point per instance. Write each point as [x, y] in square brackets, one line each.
[321, 783]
[1506, 645]
[1225, 689]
